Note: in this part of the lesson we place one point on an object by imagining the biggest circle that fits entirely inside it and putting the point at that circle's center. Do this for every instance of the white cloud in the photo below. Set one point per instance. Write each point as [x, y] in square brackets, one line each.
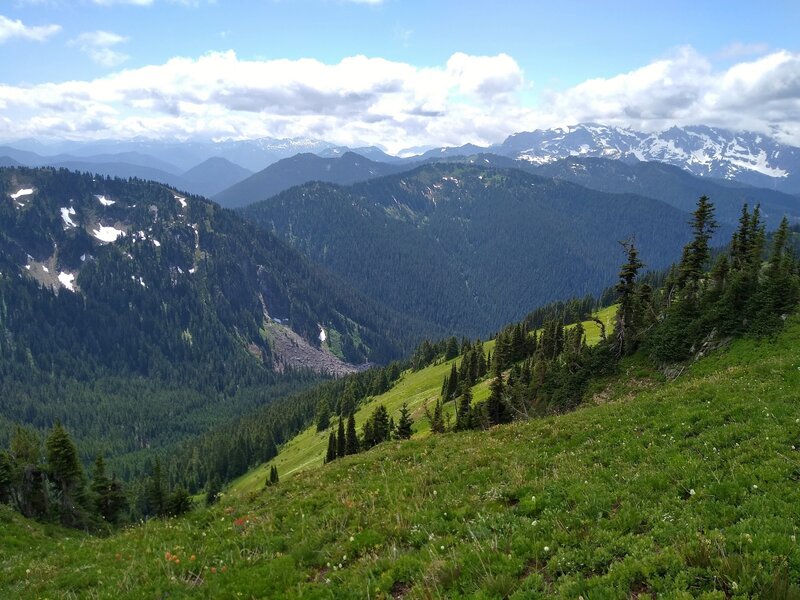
[98, 45]
[760, 95]
[362, 100]
[14, 28]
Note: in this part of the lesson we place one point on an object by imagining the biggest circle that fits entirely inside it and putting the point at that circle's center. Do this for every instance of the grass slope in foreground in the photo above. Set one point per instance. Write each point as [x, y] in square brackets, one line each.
[686, 488]
[307, 450]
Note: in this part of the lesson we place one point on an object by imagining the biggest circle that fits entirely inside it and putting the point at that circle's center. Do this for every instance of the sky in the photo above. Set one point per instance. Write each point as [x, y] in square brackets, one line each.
[393, 73]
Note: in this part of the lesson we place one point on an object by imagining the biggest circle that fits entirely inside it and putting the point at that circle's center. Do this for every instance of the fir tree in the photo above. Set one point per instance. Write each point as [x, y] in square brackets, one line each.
[626, 329]
[404, 423]
[331, 454]
[464, 414]
[341, 448]
[178, 502]
[437, 420]
[696, 253]
[156, 491]
[66, 472]
[213, 490]
[273, 476]
[452, 383]
[323, 415]
[351, 437]
[496, 404]
[6, 478]
[108, 495]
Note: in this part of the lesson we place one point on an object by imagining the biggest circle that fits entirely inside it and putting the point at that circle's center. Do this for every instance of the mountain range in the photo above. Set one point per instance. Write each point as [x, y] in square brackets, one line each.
[740, 156]
[470, 246]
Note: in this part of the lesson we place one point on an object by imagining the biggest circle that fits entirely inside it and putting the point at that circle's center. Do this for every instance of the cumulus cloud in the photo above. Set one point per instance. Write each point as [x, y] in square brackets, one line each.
[99, 46]
[760, 95]
[362, 100]
[14, 28]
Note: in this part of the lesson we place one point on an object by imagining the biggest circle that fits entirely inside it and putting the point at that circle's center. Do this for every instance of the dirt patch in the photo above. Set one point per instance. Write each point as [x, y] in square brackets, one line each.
[400, 589]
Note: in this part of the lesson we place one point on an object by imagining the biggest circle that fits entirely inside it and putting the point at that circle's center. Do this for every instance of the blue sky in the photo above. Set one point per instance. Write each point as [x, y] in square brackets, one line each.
[556, 47]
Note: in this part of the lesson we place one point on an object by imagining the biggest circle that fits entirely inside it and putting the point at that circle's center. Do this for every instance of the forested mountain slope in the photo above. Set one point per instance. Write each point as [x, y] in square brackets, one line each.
[466, 246]
[129, 309]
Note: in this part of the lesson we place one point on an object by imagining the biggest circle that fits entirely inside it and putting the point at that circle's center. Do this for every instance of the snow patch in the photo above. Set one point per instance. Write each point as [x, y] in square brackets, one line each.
[67, 280]
[108, 234]
[322, 335]
[21, 193]
[156, 243]
[65, 215]
[104, 201]
[45, 269]
[182, 200]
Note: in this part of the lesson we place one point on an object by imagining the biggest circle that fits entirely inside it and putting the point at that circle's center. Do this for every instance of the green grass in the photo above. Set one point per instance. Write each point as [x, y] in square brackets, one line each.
[307, 450]
[680, 489]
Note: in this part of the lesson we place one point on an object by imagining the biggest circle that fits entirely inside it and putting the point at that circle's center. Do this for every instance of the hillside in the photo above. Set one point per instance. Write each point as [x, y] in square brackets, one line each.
[672, 185]
[415, 388]
[302, 168]
[138, 316]
[470, 247]
[676, 488]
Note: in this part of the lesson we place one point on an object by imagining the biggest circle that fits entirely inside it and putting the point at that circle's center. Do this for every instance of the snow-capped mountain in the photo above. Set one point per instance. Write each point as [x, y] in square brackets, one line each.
[746, 157]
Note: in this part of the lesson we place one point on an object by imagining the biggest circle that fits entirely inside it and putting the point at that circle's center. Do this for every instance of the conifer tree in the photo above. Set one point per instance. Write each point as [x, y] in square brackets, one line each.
[341, 448]
[696, 253]
[351, 437]
[464, 414]
[273, 476]
[213, 490]
[66, 472]
[629, 311]
[6, 478]
[323, 415]
[178, 502]
[496, 404]
[331, 453]
[380, 425]
[156, 491]
[437, 420]
[452, 383]
[404, 423]
[451, 351]
[30, 495]
[108, 496]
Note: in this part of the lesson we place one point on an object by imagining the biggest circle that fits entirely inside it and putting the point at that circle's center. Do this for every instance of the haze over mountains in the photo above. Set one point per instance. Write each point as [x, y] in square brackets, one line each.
[237, 173]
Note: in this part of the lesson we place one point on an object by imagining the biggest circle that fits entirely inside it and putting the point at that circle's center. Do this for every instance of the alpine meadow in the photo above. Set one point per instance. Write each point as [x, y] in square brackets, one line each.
[383, 299]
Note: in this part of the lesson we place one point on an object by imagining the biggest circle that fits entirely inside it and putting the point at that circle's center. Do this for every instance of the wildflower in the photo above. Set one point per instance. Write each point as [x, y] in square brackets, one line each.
[441, 547]
[547, 548]
[224, 568]
[755, 487]
[691, 492]
[213, 569]
[167, 555]
[352, 539]
[192, 558]
[27, 571]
